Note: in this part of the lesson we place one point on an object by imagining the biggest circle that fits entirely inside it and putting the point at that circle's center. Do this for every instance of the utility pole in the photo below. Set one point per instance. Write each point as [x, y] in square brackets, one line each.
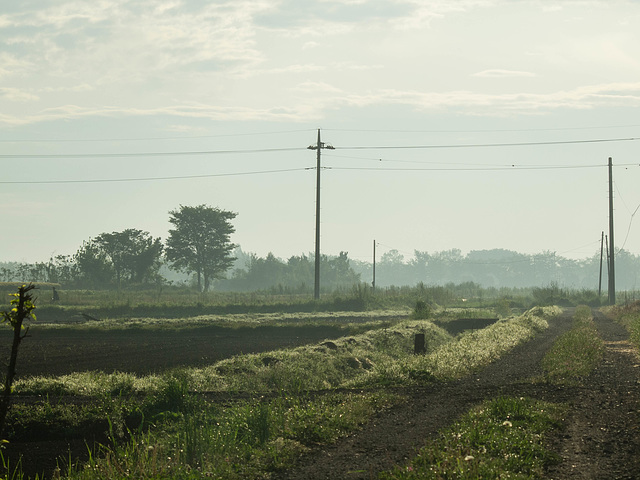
[318, 146]
[606, 249]
[373, 284]
[600, 279]
[612, 270]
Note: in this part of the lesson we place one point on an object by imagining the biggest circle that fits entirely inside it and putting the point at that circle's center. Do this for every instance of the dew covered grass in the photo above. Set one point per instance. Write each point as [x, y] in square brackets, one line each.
[247, 439]
[575, 353]
[376, 357]
[629, 316]
[502, 438]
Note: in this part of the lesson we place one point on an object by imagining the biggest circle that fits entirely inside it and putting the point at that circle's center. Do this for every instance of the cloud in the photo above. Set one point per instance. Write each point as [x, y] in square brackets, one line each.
[498, 73]
[321, 97]
[301, 112]
[10, 64]
[16, 95]
[317, 87]
[84, 87]
[77, 59]
[295, 68]
[120, 41]
[474, 103]
[175, 128]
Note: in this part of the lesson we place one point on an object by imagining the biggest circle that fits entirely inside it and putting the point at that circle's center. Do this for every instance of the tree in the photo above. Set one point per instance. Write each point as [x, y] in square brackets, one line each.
[134, 254]
[200, 242]
[22, 309]
[94, 268]
[337, 271]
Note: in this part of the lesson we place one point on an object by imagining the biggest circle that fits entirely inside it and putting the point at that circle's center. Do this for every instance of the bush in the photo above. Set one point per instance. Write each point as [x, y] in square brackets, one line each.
[422, 310]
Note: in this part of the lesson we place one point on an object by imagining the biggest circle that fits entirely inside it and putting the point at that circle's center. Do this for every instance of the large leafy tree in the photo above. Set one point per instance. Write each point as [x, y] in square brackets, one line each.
[200, 242]
[134, 254]
[130, 256]
[94, 269]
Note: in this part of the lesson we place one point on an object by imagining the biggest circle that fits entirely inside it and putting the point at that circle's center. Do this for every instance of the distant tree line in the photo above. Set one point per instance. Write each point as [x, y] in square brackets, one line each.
[295, 275]
[199, 244]
[500, 268]
[198, 252]
[198, 248]
[141, 259]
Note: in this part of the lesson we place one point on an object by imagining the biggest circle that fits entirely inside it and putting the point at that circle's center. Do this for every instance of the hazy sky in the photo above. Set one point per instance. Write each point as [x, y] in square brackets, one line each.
[250, 82]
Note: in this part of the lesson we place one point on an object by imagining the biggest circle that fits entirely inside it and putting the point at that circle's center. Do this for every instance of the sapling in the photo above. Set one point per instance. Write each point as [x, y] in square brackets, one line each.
[22, 309]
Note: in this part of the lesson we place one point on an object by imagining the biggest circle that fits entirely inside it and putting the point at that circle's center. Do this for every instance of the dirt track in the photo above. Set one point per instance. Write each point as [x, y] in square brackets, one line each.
[602, 440]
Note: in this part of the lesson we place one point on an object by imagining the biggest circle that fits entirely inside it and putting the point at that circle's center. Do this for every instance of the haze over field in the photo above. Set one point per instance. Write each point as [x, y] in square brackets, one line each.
[113, 113]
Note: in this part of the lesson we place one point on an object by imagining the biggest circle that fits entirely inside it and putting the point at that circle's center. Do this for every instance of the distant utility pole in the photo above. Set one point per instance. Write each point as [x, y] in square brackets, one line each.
[606, 249]
[612, 270]
[601, 254]
[318, 146]
[373, 284]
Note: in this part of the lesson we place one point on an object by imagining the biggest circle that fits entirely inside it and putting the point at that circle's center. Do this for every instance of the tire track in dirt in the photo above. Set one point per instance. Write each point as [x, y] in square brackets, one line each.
[393, 436]
[602, 439]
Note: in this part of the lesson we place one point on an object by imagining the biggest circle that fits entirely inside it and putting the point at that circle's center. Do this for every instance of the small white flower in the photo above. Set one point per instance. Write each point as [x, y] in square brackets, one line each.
[507, 423]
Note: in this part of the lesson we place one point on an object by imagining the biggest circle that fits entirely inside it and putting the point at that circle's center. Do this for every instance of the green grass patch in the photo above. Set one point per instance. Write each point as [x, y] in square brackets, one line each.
[465, 354]
[502, 438]
[629, 316]
[244, 440]
[377, 357]
[576, 353]
[80, 319]
[329, 364]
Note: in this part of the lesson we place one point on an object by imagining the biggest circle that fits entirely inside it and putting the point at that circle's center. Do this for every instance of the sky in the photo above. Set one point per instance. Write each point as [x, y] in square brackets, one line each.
[469, 124]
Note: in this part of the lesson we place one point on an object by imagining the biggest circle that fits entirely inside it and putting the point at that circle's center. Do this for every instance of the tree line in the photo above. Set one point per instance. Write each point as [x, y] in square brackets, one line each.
[199, 244]
[198, 251]
[499, 268]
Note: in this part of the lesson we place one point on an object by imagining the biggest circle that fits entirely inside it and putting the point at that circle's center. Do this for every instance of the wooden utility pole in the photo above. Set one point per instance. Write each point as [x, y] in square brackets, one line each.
[373, 284]
[606, 249]
[600, 279]
[612, 270]
[318, 146]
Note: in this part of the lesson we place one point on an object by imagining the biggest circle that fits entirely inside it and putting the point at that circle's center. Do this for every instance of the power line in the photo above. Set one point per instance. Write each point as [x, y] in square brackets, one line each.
[261, 172]
[136, 139]
[629, 228]
[487, 145]
[470, 165]
[183, 177]
[279, 132]
[504, 130]
[268, 150]
[419, 162]
[148, 154]
[479, 169]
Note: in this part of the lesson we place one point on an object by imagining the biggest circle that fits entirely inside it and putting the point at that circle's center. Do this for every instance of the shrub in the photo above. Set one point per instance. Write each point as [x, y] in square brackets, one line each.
[422, 310]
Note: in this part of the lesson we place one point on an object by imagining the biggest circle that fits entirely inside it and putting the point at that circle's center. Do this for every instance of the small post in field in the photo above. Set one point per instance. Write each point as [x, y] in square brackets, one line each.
[419, 347]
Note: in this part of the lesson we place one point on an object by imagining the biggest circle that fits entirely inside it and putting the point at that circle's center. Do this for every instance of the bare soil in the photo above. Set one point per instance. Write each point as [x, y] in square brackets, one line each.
[601, 440]
[53, 352]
